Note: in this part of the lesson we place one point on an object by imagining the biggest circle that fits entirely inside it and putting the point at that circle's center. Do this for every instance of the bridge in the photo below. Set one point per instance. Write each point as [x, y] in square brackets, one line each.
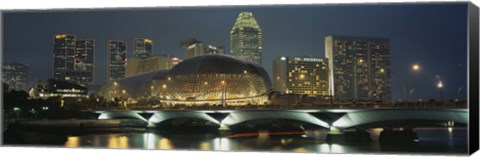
[340, 119]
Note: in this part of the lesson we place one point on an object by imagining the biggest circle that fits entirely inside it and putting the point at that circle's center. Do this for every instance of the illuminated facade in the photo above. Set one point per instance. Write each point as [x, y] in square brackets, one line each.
[73, 60]
[202, 80]
[142, 48]
[137, 66]
[15, 75]
[63, 55]
[85, 61]
[196, 48]
[116, 59]
[59, 88]
[246, 38]
[301, 75]
[359, 67]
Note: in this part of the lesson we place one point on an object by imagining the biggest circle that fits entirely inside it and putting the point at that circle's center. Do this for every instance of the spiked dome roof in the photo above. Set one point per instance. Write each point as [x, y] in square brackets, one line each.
[246, 20]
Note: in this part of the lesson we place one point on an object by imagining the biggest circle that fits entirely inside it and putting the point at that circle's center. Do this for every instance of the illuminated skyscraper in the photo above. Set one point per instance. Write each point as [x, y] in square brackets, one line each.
[194, 48]
[142, 48]
[301, 75]
[116, 59]
[246, 38]
[63, 55]
[359, 67]
[73, 60]
[15, 75]
[85, 60]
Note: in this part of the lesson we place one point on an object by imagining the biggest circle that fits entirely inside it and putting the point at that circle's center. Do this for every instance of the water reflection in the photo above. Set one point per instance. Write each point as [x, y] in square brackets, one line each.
[165, 143]
[72, 142]
[431, 140]
[118, 142]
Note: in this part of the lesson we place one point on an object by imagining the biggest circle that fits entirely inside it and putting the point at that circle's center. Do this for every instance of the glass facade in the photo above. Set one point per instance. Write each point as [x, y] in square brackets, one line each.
[73, 60]
[360, 67]
[137, 66]
[63, 55]
[202, 80]
[194, 48]
[117, 59]
[142, 48]
[15, 75]
[301, 75]
[85, 61]
[246, 38]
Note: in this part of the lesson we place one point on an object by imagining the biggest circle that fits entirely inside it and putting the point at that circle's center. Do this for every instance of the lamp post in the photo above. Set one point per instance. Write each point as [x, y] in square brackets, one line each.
[440, 87]
[407, 92]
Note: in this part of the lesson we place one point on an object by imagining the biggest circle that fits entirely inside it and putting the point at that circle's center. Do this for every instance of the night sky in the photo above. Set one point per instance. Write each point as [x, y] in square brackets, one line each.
[433, 35]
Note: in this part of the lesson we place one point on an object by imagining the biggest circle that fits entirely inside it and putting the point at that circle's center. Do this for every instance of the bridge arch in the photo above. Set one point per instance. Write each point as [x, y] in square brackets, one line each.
[371, 117]
[238, 117]
[121, 115]
[159, 117]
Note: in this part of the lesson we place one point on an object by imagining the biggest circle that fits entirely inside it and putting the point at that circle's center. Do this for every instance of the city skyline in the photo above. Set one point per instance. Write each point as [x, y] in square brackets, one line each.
[294, 44]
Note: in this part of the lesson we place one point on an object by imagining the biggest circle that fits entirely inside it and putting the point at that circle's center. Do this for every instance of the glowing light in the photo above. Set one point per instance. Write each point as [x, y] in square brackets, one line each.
[115, 83]
[204, 146]
[72, 142]
[164, 86]
[416, 67]
[164, 143]
[123, 91]
[302, 76]
[440, 84]
[382, 70]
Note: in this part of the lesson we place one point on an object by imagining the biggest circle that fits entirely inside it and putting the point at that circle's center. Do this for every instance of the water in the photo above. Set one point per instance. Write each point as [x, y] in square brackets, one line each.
[431, 141]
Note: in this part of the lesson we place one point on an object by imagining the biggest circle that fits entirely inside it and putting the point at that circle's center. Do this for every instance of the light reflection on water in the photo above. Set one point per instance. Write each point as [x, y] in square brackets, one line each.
[432, 140]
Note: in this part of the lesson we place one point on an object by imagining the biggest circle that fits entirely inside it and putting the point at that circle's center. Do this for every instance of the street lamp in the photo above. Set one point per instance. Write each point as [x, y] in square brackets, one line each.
[415, 68]
[440, 87]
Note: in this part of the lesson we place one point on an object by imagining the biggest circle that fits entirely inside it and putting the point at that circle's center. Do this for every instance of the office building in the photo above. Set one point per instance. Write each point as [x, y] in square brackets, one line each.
[246, 38]
[194, 48]
[73, 60]
[301, 75]
[15, 75]
[359, 67]
[116, 59]
[137, 66]
[85, 61]
[142, 48]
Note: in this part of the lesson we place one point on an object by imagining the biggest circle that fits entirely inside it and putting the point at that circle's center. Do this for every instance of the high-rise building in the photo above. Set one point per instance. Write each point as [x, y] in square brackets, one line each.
[116, 59]
[359, 67]
[85, 60]
[15, 75]
[137, 66]
[63, 55]
[246, 38]
[73, 60]
[142, 48]
[301, 75]
[194, 48]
